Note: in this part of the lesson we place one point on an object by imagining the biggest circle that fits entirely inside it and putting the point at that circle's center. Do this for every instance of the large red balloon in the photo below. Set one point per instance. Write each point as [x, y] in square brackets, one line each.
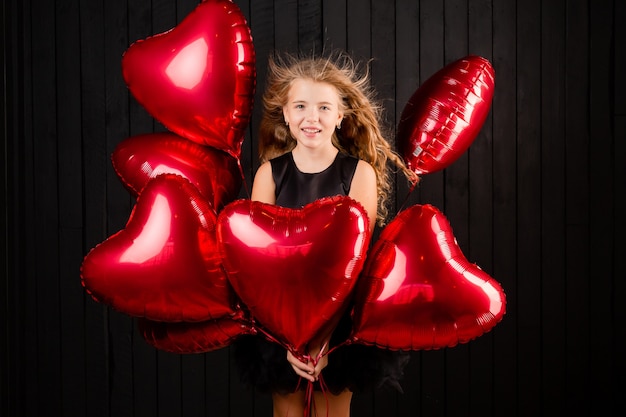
[140, 158]
[294, 269]
[165, 264]
[418, 291]
[199, 337]
[445, 114]
[198, 79]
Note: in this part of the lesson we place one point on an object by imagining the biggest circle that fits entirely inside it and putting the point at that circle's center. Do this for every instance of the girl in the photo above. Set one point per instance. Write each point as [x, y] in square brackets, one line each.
[320, 136]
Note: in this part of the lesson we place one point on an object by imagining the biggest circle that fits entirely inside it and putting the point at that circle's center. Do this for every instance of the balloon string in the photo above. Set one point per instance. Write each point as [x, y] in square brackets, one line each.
[243, 178]
[406, 199]
[311, 407]
[308, 400]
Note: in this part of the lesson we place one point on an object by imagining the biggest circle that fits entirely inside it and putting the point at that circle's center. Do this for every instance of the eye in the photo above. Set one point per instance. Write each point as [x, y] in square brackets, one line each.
[325, 108]
[299, 106]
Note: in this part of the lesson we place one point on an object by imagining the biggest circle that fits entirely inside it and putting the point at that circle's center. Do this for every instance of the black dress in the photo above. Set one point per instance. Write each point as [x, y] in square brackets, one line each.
[263, 364]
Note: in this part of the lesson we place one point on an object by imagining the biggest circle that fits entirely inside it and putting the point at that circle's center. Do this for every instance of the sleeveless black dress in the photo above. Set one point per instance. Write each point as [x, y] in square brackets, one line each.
[262, 364]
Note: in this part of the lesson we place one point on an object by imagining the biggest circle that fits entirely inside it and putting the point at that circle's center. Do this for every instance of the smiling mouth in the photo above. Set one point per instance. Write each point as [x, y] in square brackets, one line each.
[311, 130]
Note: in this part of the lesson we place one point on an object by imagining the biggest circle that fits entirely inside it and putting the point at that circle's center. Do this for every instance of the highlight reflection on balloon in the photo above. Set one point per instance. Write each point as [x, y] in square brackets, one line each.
[199, 337]
[198, 78]
[418, 291]
[140, 158]
[165, 264]
[294, 269]
[445, 114]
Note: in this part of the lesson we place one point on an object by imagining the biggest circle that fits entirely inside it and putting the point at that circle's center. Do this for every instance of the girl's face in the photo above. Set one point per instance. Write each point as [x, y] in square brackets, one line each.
[312, 112]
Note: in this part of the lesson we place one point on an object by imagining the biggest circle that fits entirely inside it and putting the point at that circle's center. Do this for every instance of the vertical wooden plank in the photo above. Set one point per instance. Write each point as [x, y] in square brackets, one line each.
[261, 19]
[95, 161]
[601, 200]
[193, 387]
[456, 208]
[197, 398]
[358, 24]
[217, 377]
[359, 35]
[286, 27]
[334, 18]
[481, 216]
[619, 129]
[504, 112]
[432, 59]
[4, 197]
[384, 62]
[46, 202]
[164, 18]
[310, 34]
[169, 384]
[144, 356]
[407, 79]
[145, 377]
[184, 7]
[383, 65]
[407, 74]
[70, 184]
[553, 206]
[578, 262]
[16, 94]
[169, 374]
[139, 27]
[118, 200]
[431, 191]
[529, 206]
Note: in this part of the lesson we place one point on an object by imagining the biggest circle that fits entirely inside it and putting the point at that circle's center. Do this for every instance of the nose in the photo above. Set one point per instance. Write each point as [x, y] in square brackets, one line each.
[312, 115]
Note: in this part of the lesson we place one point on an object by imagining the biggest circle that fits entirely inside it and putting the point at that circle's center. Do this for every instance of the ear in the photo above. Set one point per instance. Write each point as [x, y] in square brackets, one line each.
[339, 120]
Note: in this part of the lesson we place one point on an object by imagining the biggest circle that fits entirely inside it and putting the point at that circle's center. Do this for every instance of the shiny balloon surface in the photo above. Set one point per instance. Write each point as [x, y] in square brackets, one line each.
[445, 114]
[294, 269]
[165, 264]
[419, 291]
[140, 158]
[198, 79]
[199, 337]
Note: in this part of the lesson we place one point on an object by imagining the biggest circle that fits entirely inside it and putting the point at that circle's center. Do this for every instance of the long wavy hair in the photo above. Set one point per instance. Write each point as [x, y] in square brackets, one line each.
[360, 134]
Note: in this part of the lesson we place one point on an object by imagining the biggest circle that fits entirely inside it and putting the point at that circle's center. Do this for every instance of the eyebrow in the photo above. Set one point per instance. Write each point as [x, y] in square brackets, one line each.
[306, 102]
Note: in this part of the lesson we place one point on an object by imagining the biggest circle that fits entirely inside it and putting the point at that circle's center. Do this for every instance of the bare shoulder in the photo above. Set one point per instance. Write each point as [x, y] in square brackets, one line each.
[364, 189]
[263, 188]
[365, 172]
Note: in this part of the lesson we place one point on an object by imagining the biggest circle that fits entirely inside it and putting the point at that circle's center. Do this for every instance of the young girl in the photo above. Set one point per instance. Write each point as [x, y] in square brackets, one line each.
[320, 136]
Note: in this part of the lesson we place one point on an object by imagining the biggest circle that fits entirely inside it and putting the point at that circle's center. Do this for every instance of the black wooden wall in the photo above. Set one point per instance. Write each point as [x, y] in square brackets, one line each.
[537, 202]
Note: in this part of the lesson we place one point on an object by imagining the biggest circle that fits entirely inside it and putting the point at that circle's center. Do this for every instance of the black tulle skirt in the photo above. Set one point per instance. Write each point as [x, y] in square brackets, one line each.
[263, 365]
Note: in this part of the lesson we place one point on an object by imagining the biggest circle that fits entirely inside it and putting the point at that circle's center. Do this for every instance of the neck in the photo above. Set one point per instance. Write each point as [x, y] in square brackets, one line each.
[314, 160]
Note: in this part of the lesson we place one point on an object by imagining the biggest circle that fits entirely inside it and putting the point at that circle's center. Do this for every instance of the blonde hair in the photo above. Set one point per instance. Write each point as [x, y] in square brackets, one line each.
[360, 134]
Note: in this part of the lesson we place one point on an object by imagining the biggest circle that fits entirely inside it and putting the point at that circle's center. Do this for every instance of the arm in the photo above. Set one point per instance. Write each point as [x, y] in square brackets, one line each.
[364, 190]
[263, 188]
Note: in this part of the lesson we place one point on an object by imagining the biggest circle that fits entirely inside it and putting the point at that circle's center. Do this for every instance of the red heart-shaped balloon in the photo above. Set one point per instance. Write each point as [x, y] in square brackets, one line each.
[165, 264]
[199, 337]
[444, 115]
[198, 79]
[418, 291]
[140, 158]
[294, 269]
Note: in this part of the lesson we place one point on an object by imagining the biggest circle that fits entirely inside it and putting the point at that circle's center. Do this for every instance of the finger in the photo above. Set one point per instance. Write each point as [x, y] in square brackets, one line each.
[321, 364]
[304, 374]
[305, 366]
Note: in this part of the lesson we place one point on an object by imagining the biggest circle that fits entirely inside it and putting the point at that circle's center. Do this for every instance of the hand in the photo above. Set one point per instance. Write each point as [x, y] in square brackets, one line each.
[309, 370]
